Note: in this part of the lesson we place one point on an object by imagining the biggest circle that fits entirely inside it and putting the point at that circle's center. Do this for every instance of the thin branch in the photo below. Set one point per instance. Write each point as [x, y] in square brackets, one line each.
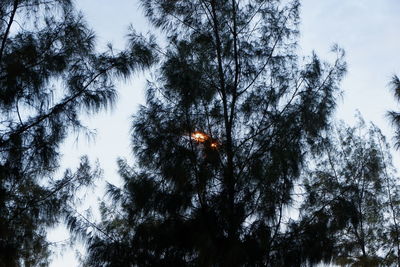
[71, 205]
[269, 57]
[19, 115]
[253, 15]
[7, 32]
[58, 107]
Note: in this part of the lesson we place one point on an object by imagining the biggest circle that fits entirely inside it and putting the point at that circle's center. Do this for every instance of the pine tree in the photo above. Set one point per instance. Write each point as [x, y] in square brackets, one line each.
[352, 193]
[221, 140]
[49, 74]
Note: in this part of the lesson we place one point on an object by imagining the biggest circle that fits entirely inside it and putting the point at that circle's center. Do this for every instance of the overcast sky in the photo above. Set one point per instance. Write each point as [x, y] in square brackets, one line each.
[368, 30]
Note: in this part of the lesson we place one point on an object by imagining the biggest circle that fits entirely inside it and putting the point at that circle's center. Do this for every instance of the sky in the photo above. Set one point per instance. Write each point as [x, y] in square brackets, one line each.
[368, 30]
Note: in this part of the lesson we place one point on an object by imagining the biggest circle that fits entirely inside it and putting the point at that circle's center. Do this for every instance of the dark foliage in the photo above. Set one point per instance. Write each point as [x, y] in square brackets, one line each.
[49, 74]
[351, 199]
[394, 116]
[220, 142]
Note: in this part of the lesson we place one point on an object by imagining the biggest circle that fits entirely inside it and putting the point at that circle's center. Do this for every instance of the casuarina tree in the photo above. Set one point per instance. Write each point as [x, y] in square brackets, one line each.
[393, 115]
[221, 140]
[49, 74]
[351, 199]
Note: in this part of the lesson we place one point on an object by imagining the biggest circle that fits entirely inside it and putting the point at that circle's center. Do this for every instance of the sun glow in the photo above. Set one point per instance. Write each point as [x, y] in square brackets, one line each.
[200, 137]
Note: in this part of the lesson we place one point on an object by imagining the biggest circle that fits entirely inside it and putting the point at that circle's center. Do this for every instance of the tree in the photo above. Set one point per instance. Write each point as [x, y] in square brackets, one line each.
[393, 186]
[221, 140]
[392, 203]
[351, 195]
[393, 115]
[49, 74]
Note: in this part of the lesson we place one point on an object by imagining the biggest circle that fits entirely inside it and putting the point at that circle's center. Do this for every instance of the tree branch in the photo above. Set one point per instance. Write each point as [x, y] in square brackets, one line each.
[7, 32]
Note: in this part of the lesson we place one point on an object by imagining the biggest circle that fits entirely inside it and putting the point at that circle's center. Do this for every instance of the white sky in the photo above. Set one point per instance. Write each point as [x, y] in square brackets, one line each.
[368, 30]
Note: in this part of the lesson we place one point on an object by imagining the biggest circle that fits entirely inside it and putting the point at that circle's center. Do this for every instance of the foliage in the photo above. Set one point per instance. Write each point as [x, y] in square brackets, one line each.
[393, 115]
[229, 72]
[49, 74]
[351, 195]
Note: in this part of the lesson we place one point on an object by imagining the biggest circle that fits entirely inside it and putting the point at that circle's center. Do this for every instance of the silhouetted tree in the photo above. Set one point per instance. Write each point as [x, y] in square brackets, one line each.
[393, 115]
[220, 141]
[49, 74]
[351, 200]
[394, 201]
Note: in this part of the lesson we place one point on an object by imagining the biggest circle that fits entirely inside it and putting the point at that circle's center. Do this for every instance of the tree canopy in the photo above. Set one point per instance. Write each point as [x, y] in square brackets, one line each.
[50, 73]
[238, 159]
[351, 198]
[228, 121]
